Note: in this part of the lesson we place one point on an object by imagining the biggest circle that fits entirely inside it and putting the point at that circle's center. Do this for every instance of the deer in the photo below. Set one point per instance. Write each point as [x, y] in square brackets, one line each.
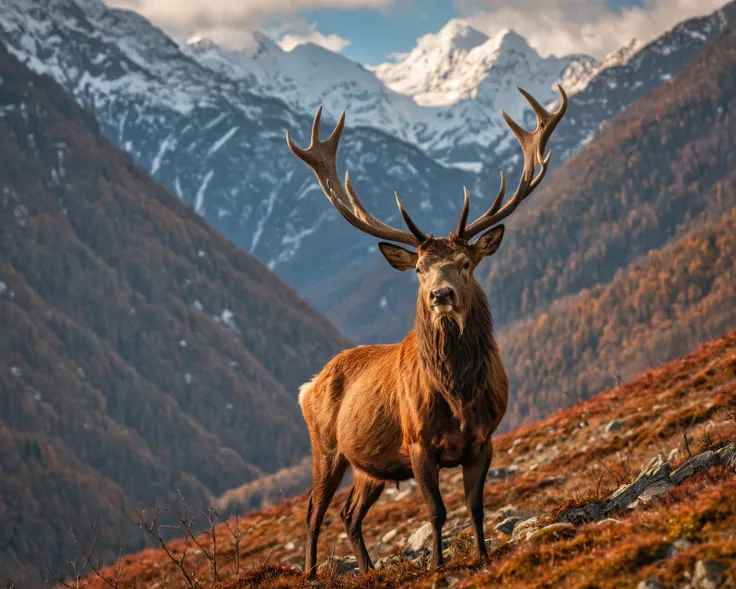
[406, 410]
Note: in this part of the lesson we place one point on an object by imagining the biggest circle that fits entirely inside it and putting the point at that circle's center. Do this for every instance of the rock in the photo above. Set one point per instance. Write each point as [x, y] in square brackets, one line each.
[693, 466]
[506, 511]
[338, 565]
[654, 471]
[536, 464]
[388, 561]
[649, 584]
[514, 444]
[388, 536]
[727, 456]
[708, 574]
[678, 545]
[658, 489]
[552, 532]
[507, 525]
[408, 492]
[613, 425]
[419, 538]
[524, 528]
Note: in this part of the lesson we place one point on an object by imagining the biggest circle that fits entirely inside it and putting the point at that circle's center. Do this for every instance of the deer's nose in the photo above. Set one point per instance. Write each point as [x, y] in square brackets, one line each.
[442, 296]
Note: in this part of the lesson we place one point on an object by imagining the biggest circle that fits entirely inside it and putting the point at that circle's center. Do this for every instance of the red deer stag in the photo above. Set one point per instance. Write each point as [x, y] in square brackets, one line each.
[394, 412]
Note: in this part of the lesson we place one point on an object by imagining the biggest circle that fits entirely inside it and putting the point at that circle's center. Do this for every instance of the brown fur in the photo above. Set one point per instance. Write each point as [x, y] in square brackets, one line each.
[439, 388]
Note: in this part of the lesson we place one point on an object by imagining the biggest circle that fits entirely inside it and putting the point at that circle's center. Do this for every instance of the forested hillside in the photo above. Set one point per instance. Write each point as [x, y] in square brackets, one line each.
[665, 164]
[141, 352]
[661, 307]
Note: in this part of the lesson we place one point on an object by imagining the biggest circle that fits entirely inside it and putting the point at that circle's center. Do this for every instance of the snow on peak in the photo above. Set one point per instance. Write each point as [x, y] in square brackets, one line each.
[456, 34]
[450, 66]
[623, 55]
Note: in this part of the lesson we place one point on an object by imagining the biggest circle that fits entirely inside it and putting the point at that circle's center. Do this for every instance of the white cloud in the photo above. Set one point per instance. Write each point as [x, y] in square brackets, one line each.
[230, 21]
[332, 42]
[581, 26]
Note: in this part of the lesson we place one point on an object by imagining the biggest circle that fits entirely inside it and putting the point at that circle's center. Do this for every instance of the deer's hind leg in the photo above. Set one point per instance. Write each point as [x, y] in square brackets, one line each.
[327, 472]
[364, 493]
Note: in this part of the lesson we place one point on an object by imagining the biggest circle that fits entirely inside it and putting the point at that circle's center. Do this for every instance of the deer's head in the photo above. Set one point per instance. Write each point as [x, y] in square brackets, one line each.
[444, 265]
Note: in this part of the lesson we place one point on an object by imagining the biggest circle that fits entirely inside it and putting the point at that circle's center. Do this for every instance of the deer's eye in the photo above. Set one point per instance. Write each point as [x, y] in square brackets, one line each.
[419, 270]
[466, 265]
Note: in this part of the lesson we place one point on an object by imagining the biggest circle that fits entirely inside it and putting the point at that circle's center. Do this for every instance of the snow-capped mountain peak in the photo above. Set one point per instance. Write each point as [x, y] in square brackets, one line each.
[456, 34]
[451, 65]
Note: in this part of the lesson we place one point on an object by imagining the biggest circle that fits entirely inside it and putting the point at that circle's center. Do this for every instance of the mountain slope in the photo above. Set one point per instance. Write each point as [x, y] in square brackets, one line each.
[657, 309]
[635, 437]
[213, 142]
[625, 76]
[141, 352]
[661, 166]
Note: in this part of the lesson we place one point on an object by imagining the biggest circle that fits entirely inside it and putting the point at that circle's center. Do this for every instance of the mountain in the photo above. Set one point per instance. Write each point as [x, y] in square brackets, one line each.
[209, 124]
[461, 63]
[214, 143]
[625, 76]
[141, 352]
[309, 76]
[444, 98]
[635, 484]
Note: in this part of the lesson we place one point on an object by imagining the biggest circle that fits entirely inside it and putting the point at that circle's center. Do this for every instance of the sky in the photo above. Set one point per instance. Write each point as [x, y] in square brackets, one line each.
[375, 31]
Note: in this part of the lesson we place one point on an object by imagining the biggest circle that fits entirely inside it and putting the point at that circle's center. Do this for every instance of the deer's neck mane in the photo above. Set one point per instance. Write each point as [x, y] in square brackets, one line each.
[457, 364]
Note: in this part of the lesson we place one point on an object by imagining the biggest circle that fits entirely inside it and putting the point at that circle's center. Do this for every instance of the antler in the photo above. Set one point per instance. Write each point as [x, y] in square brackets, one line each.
[321, 157]
[532, 145]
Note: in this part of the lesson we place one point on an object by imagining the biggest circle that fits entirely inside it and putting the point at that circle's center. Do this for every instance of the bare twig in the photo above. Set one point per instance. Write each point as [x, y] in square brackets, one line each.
[153, 528]
[114, 583]
[238, 536]
[619, 474]
[687, 444]
[78, 569]
[213, 518]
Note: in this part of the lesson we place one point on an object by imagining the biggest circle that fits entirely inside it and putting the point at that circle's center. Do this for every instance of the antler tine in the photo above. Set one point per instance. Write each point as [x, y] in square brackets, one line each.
[416, 232]
[315, 125]
[334, 138]
[464, 213]
[532, 145]
[499, 197]
[321, 157]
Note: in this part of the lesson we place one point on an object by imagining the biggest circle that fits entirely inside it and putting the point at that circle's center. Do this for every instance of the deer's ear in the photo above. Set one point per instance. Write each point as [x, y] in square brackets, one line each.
[398, 257]
[489, 242]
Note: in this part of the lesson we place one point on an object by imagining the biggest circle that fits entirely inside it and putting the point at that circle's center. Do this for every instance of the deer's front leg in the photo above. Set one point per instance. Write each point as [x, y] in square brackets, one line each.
[474, 477]
[426, 473]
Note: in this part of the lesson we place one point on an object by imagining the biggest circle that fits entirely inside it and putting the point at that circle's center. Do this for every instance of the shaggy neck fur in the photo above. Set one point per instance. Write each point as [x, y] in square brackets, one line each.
[457, 362]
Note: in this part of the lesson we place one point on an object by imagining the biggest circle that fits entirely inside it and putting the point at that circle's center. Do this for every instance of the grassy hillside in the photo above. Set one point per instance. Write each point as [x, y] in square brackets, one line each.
[140, 351]
[670, 434]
